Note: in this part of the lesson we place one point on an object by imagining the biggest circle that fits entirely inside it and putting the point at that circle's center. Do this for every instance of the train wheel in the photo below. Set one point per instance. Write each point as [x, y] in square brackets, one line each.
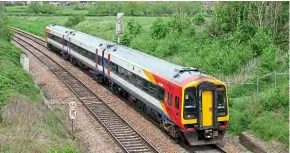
[73, 61]
[174, 132]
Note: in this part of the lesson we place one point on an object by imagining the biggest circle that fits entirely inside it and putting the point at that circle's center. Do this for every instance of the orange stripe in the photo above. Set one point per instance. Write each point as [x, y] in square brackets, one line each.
[152, 79]
[150, 76]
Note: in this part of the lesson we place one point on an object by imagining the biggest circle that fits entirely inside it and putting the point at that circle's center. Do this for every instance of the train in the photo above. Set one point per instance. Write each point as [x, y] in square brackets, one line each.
[187, 103]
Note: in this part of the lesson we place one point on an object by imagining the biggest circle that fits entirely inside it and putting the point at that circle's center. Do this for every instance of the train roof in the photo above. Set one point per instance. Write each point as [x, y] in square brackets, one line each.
[155, 65]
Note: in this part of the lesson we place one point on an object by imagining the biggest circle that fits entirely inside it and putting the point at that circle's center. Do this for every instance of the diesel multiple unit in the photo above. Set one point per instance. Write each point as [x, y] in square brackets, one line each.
[186, 102]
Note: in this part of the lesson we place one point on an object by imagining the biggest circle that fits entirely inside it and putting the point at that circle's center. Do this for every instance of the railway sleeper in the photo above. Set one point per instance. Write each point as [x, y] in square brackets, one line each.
[122, 127]
[130, 143]
[127, 135]
[129, 132]
[126, 139]
[116, 124]
[135, 144]
[138, 150]
[138, 147]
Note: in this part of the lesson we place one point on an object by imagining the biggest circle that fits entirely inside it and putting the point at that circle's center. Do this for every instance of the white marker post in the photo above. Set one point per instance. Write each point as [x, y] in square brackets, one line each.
[72, 115]
[119, 26]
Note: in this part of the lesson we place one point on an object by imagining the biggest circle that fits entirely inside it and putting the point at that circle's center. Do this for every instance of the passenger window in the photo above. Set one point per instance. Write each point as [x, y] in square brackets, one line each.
[139, 82]
[100, 60]
[113, 67]
[106, 63]
[133, 79]
[145, 85]
[65, 42]
[176, 102]
[122, 72]
[161, 94]
[94, 57]
[128, 75]
[152, 89]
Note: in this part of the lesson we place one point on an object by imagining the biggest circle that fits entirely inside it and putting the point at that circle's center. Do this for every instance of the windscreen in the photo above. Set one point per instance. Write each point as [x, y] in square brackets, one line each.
[190, 102]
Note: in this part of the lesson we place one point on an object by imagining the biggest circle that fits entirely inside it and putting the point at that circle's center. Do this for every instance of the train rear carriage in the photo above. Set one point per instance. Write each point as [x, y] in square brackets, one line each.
[186, 102]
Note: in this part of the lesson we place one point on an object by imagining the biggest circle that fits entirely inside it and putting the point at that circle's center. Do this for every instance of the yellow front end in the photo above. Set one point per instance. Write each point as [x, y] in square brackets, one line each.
[207, 100]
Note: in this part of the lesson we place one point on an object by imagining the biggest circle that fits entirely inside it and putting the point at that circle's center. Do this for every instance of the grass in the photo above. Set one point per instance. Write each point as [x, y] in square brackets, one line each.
[60, 10]
[25, 124]
[264, 113]
[16, 9]
[31, 127]
[13, 79]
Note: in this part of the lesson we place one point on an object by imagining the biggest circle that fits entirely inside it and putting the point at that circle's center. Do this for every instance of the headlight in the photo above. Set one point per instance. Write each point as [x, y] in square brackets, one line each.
[191, 116]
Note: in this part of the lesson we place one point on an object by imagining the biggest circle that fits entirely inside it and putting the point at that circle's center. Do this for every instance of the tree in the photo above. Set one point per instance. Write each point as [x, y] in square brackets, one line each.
[132, 8]
[159, 29]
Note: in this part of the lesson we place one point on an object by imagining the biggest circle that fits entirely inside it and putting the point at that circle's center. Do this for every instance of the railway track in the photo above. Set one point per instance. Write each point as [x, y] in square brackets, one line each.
[90, 96]
[120, 130]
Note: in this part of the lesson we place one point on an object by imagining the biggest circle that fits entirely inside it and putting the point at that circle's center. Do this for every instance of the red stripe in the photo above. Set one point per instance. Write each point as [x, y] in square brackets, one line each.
[109, 57]
[224, 126]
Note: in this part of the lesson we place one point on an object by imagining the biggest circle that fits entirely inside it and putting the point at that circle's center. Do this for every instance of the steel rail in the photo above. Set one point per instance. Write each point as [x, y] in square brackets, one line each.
[126, 136]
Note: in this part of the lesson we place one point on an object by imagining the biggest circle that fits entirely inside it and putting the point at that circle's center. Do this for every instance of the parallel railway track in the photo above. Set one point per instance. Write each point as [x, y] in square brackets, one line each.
[120, 130]
[97, 107]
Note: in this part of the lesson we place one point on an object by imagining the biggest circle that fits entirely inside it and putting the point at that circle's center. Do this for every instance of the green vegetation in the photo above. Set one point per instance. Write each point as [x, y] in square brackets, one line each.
[25, 124]
[222, 41]
[109, 8]
[74, 20]
[31, 127]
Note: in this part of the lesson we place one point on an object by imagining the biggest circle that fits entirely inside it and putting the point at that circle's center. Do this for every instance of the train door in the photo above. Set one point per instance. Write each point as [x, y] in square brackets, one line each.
[169, 99]
[106, 62]
[68, 43]
[207, 105]
[176, 107]
[65, 43]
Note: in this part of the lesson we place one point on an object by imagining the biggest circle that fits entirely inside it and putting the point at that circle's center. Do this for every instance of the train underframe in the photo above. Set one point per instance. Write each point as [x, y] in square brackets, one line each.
[199, 137]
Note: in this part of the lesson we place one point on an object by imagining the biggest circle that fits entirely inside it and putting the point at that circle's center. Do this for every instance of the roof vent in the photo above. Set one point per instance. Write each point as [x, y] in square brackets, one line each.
[184, 69]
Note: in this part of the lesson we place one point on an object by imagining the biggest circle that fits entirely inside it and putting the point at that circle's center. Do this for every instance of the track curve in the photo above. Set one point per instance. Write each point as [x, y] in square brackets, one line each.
[126, 136]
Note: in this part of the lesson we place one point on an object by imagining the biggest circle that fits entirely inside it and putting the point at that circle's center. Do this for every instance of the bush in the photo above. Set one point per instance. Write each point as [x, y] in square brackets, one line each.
[134, 28]
[178, 23]
[159, 29]
[198, 19]
[74, 20]
[78, 7]
[48, 9]
[268, 58]
[275, 99]
[34, 7]
[239, 121]
[267, 126]
[260, 41]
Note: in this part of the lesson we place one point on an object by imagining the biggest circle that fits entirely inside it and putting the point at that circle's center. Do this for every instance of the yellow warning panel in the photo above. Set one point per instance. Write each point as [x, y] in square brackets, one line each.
[207, 99]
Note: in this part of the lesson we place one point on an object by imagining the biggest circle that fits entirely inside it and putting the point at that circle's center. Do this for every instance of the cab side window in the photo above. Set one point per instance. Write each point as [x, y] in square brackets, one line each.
[176, 102]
